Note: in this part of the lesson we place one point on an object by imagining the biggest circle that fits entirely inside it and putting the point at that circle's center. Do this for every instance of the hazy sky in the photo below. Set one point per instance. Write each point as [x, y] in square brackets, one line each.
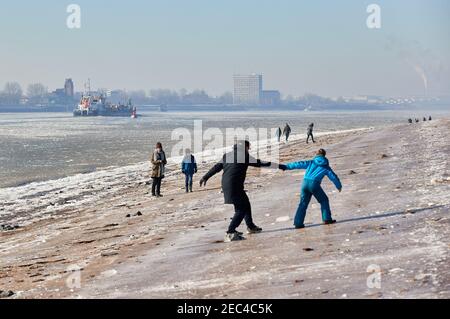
[318, 46]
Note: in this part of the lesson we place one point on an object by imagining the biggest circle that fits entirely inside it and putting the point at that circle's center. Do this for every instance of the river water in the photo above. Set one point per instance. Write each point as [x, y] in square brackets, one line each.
[47, 146]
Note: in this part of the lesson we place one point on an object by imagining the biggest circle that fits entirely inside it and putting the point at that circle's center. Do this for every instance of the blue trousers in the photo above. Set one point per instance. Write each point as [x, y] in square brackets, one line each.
[312, 188]
[189, 180]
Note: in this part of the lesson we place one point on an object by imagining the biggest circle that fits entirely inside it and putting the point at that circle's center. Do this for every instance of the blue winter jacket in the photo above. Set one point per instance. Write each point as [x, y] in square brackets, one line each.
[189, 166]
[316, 170]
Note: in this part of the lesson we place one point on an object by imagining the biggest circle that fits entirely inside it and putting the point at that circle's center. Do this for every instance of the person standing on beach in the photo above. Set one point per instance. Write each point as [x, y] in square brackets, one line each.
[234, 166]
[278, 134]
[159, 162]
[316, 170]
[310, 133]
[189, 168]
[287, 131]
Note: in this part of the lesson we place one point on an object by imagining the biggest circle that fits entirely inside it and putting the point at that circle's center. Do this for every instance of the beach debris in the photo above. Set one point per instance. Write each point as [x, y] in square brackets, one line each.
[7, 227]
[109, 273]
[395, 270]
[109, 253]
[423, 277]
[352, 172]
[383, 156]
[308, 249]
[6, 293]
[85, 242]
[110, 225]
[282, 219]
[139, 213]
[444, 180]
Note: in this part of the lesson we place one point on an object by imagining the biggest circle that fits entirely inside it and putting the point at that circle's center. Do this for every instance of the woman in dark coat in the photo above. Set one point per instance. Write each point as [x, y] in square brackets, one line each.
[234, 166]
[159, 162]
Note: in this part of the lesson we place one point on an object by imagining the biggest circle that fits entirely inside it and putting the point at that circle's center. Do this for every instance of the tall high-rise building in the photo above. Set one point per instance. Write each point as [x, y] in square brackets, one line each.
[69, 88]
[247, 89]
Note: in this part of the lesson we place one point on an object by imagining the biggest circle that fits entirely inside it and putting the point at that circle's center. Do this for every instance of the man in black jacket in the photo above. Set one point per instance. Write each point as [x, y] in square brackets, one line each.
[287, 132]
[234, 166]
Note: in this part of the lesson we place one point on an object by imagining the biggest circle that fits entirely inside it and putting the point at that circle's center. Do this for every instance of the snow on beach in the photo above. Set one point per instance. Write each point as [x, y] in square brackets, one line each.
[25, 204]
[392, 215]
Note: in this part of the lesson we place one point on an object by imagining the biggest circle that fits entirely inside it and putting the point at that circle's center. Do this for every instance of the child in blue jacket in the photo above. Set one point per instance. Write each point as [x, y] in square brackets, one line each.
[189, 168]
[316, 170]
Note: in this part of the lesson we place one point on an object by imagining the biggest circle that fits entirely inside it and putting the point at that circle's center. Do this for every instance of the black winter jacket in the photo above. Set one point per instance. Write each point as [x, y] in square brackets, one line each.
[234, 166]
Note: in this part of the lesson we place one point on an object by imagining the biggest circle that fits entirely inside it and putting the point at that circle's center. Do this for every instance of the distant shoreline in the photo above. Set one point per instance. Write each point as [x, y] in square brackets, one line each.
[232, 108]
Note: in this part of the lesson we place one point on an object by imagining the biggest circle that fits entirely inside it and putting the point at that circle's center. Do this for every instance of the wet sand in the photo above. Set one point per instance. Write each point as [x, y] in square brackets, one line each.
[392, 217]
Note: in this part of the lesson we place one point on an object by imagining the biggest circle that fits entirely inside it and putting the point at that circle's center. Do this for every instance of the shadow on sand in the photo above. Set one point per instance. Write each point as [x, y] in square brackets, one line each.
[370, 217]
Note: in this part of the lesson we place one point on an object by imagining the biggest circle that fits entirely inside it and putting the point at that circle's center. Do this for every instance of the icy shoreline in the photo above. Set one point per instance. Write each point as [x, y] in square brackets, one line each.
[26, 204]
[392, 215]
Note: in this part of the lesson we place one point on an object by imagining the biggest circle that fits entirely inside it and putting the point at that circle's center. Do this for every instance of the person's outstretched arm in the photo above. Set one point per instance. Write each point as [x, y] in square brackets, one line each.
[260, 163]
[295, 165]
[334, 178]
[251, 161]
[213, 171]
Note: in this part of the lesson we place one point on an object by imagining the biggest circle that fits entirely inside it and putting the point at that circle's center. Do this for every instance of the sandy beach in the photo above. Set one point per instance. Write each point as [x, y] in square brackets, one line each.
[393, 225]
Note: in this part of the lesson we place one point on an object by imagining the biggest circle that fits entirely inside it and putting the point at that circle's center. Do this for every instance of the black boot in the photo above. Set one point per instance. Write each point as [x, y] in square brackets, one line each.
[254, 230]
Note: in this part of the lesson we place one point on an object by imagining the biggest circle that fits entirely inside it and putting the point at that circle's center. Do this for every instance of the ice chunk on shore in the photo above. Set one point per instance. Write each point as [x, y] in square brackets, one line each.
[283, 219]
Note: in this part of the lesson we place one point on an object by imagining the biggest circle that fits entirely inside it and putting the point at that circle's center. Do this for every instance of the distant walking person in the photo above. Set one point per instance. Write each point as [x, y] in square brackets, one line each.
[316, 170]
[189, 168]
[234, 166]
[430, 119]
[159, 162]
[287, 131]
[424, 119]
[310, 133]
[278, 134]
